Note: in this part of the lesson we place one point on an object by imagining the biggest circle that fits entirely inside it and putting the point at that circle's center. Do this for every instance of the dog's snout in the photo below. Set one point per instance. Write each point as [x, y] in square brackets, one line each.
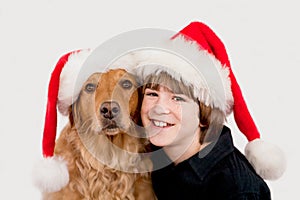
[109, 109]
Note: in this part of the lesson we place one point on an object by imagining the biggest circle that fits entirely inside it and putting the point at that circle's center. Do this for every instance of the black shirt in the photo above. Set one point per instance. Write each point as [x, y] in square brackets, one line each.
[224, 173]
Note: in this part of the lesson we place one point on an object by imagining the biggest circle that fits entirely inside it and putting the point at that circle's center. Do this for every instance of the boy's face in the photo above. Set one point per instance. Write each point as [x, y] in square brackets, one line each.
[170, 119]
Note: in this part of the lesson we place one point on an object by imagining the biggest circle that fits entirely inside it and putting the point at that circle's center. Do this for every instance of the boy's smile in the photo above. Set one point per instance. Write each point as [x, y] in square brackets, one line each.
[161, 124]
[169, 119]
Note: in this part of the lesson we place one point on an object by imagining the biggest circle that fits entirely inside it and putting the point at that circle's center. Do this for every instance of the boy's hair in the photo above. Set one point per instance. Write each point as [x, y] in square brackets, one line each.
[211, 119]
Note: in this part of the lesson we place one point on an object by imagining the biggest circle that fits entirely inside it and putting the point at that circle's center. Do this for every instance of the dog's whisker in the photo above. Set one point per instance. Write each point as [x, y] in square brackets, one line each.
[87, 126]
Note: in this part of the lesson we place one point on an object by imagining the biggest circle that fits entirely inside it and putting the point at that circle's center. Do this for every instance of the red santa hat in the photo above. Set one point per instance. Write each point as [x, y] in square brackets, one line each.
[51, 174]
[267, 159]
[198, 41]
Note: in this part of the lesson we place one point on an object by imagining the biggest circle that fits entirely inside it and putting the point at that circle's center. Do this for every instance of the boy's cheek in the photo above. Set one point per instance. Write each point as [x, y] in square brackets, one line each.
[190, 113]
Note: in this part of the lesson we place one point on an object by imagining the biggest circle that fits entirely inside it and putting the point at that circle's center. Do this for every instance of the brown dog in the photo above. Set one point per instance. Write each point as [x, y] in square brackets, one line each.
[100, 143]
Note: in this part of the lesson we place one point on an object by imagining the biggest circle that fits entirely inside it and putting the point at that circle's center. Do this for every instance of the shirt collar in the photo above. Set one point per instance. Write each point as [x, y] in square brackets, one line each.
[208, 157]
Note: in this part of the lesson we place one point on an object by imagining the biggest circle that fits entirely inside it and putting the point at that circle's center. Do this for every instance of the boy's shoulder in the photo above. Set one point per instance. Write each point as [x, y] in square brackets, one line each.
[235, 175]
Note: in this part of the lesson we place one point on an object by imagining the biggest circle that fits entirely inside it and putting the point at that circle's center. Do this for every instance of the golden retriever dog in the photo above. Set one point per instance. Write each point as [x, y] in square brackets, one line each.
[101, 145]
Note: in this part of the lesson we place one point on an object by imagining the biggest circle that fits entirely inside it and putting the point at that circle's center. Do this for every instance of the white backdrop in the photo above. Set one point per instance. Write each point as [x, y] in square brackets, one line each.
[261, 37]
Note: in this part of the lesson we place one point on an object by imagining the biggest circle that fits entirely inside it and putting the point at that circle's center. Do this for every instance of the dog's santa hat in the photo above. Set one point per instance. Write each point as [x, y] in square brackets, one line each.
[51, 174]
[212, 65]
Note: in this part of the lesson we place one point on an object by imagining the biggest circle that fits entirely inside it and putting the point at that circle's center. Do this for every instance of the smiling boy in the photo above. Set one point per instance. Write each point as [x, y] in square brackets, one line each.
[184, 108]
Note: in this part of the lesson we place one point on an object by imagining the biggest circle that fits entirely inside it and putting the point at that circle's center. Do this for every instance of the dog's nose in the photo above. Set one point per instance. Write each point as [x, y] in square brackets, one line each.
[109, 109]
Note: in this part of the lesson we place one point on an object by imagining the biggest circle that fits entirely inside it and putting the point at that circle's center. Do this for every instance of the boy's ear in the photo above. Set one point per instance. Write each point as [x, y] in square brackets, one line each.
[201, 125]
[200, 115]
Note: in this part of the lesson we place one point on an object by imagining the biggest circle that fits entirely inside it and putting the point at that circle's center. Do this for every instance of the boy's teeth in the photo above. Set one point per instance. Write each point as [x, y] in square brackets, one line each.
[160, 124]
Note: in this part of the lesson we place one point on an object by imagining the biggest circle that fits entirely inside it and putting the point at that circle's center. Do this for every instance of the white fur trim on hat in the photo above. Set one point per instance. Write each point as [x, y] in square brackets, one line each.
[50, 174]
[185, 61]
[267, 159]
[68, 87]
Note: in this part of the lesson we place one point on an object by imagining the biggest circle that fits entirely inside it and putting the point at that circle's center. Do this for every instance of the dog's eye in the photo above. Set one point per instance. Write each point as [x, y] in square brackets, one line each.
[126, 84]
[90, 87]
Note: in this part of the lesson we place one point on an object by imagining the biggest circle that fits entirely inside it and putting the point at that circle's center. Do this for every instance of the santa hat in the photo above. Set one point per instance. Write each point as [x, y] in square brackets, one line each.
[51, 174]
[198, 41]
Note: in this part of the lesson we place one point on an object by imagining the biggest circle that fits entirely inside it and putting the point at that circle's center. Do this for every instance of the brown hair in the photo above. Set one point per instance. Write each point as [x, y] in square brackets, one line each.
[208, 116]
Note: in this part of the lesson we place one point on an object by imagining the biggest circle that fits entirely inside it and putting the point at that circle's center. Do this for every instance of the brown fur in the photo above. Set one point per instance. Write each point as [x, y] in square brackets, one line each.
[101, 153]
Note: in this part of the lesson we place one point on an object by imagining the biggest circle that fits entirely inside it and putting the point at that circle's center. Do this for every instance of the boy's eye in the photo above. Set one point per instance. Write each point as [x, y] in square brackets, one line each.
[152, 94]
[177, 98]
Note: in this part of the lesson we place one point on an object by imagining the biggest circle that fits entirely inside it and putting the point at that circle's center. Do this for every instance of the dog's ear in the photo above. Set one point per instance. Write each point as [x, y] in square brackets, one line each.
[72, 113]
[71, 117]
[136, 116]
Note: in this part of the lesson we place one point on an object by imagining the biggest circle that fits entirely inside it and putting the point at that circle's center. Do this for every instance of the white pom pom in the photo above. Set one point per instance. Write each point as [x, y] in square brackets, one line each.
[50, 174]
[267, 159]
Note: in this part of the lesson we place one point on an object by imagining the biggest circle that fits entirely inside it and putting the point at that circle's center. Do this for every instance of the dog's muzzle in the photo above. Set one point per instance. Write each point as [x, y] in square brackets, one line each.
[109, 112]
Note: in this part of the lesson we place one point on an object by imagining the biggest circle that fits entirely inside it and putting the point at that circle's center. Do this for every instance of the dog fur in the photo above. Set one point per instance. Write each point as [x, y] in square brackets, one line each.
[101, 144]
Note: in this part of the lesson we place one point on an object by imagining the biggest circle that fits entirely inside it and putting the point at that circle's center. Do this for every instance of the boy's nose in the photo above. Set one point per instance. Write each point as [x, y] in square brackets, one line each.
[159, 110]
